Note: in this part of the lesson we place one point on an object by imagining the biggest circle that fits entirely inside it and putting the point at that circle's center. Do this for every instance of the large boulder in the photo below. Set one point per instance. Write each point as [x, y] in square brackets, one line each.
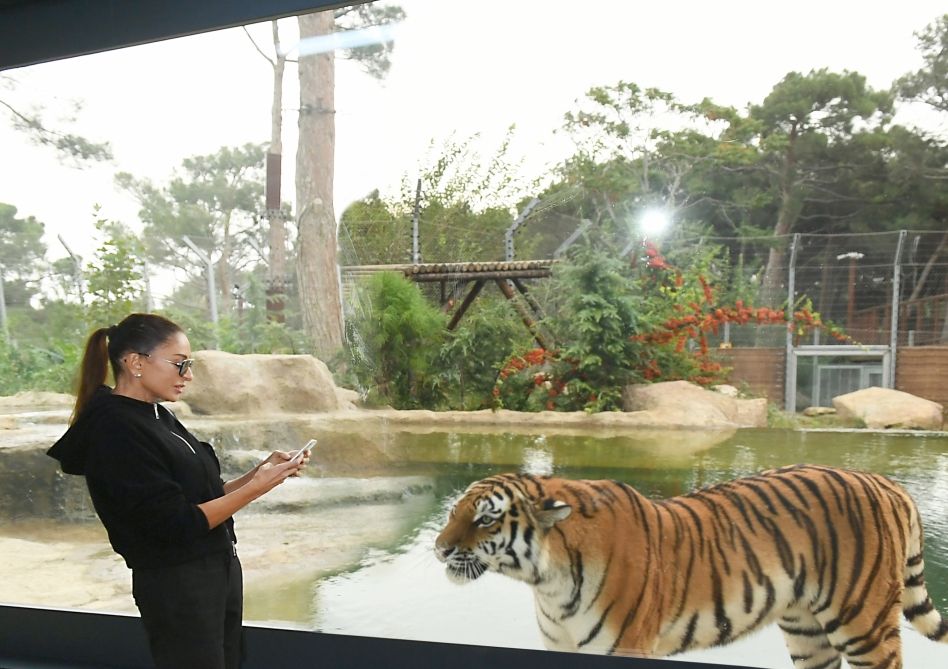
[883, 408]
[684, 404]
[256, 384]
[36, 399]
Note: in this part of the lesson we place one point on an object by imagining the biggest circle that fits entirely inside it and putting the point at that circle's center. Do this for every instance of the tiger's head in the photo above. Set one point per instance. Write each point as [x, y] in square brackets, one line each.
[498, 525]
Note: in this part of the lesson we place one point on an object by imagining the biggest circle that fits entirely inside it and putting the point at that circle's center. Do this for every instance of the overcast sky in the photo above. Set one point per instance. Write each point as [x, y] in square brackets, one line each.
[459, 66]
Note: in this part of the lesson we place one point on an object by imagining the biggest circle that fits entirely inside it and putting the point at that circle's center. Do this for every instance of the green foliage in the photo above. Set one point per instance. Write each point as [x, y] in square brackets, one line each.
[21, 242]
[930, 83]
[467, 202]
[68, 145]
[25, 367]
[613, 322]
[597, 322]
[374, 59]
[395, 354]
[473, 354]
[114, 280]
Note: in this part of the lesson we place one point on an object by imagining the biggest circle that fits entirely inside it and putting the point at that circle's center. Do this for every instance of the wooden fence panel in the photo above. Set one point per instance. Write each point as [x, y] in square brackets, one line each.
[923, 371]
[761, 369]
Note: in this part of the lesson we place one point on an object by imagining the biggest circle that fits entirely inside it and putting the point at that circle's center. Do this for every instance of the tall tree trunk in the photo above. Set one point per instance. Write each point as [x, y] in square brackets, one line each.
[276, 270]
[770, 285]
[319, 289]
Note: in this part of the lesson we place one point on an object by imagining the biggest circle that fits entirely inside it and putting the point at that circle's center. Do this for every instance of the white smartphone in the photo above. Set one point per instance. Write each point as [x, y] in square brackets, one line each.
[296, 457]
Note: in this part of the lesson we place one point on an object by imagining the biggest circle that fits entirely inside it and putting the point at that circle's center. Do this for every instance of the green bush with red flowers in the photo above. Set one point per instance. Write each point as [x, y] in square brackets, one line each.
[634, 320]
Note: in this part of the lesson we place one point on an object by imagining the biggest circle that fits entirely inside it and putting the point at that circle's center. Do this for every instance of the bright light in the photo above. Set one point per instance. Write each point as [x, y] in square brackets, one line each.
[654, 222]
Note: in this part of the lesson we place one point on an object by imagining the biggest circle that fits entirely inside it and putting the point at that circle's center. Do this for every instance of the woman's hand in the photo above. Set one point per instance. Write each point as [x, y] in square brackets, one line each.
[279, 457]
[269, 475]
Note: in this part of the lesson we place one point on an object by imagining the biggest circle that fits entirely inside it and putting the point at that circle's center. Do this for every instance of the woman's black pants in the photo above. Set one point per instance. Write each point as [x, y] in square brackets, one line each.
[192, 612]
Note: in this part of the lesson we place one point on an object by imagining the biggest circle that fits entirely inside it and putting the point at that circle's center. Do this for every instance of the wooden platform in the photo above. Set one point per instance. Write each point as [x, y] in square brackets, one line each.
[507, 274]
[460, 271]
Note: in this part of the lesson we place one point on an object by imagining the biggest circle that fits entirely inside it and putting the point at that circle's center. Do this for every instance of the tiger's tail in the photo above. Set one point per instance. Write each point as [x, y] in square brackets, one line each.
[917, 605]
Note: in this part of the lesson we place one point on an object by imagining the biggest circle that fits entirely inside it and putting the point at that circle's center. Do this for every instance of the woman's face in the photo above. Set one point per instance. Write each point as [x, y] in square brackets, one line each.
[160, 377]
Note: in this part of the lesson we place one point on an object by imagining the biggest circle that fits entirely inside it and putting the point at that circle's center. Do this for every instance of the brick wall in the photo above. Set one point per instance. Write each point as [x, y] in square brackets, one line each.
[923, 371]
[761, 369]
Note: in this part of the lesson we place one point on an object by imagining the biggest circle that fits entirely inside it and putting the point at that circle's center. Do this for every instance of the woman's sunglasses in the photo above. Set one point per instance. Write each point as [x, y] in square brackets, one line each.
[182, 365]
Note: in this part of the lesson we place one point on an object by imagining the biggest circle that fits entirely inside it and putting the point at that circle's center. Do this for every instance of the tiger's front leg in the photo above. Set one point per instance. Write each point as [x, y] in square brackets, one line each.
[807, 642]
[555, 636]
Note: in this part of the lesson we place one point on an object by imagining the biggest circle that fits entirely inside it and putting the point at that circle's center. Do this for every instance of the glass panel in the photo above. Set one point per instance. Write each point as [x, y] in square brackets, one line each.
[502, 213]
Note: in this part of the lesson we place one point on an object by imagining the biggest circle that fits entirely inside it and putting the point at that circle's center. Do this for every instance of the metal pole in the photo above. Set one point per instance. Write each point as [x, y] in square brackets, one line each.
[211, 285]
[790, 382]
[509, 233]
[896, 299]
[415, 245]
[149, 300]
[77, 263]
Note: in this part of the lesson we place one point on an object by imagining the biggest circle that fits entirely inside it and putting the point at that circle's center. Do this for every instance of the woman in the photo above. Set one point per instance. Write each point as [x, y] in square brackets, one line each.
[158, 492]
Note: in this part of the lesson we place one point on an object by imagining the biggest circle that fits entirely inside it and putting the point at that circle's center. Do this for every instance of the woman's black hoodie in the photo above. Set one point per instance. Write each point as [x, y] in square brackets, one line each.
[146, 475]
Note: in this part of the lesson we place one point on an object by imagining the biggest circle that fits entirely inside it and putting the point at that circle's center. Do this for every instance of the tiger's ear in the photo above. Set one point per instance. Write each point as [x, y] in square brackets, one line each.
[552, 511]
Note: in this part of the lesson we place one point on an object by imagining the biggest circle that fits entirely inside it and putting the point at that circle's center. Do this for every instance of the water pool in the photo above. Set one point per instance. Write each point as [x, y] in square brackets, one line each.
[347, 549]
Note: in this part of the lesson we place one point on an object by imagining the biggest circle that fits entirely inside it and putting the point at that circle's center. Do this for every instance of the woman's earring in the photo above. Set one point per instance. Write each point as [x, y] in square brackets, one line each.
[138, 375]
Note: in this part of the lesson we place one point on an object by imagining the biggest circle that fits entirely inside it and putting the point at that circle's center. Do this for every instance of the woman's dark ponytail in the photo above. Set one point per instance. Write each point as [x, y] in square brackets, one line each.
[92, 372]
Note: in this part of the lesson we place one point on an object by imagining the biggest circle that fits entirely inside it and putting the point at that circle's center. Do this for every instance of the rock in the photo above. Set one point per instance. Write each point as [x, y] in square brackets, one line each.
[818, 411]
[348, 399]
[180, 408]
[883, 408]
[35, 399]
[726, 390]
[257, 384]
[684, 404]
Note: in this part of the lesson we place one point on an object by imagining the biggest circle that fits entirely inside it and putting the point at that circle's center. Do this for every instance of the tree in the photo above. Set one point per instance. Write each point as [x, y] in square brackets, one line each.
[466, 203]
[21, 247]
[114, 277]
[636, 148]
[66, 144]
[930, 83]
[21, 243]
[215, 202]
[797, 131]
[317, 269]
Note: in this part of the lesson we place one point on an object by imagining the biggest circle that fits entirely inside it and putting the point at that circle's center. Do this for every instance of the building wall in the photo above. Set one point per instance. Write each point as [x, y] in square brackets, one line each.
[760, 369]
[922, 371]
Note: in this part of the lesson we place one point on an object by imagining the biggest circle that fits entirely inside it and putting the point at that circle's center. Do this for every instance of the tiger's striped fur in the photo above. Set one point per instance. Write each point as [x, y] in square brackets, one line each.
[832, 556]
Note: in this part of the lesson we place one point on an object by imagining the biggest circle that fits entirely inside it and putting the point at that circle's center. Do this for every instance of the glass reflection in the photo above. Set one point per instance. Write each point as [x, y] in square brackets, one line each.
[434, 98]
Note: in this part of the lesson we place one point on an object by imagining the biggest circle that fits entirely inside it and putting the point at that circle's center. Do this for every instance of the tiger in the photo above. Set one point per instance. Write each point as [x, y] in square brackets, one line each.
[832, 556]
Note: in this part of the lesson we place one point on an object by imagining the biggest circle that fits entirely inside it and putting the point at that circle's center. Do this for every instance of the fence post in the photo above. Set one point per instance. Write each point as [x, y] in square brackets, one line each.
[790, 365]
[415, 242]
[211, 284]
[896, 307]
[509, 232]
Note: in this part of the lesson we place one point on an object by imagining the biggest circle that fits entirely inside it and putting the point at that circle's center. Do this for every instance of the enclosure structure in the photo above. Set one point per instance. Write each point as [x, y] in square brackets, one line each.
[888, 294]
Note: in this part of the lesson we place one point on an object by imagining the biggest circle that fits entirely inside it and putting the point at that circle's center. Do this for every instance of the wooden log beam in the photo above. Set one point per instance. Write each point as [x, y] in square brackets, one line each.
[524, 316]
[468, 299]
[534, 305]
[487, 274]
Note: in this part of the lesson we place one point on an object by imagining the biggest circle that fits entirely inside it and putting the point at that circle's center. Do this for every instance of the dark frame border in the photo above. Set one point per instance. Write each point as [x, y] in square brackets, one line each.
[36, 31]
[32, 637]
